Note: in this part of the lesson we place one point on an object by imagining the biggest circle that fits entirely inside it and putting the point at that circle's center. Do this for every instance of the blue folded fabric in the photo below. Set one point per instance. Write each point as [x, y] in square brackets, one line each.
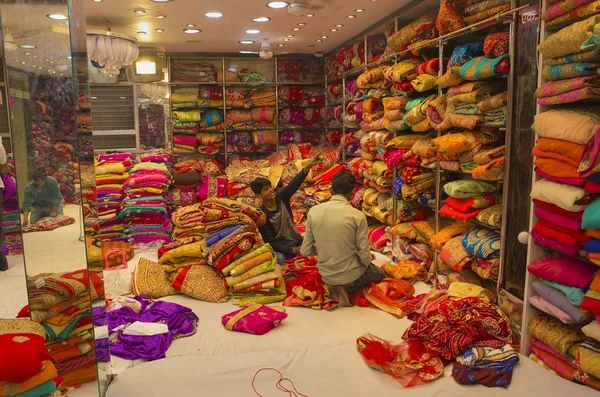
[593, 245]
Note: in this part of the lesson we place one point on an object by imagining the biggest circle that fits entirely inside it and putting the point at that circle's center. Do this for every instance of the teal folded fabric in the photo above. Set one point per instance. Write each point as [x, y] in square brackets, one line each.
[482, 67]
[61, 333]
[591, 216]
[574, 295]
[42, 390]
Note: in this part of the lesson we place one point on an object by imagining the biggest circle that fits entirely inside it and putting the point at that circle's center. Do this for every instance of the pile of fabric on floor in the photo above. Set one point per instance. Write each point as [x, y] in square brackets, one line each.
[61, 303]
[33, 373]
[411, 241]
[304, 285]
[571, 63]
[459, 324]
[142, 328]
[455, 15]
[112, 170]
[144, 209]
[49, 223]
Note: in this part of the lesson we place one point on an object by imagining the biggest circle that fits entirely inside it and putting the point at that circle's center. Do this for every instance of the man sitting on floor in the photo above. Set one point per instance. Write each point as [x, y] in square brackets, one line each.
[338, 234]
[279, 230]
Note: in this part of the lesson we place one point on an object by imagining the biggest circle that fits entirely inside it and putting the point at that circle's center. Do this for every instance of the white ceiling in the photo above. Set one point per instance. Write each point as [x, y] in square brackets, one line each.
[29, 25]
[224, 34]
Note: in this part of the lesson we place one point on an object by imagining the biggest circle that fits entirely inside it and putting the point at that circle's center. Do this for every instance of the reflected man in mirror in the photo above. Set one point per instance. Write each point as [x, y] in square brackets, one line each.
[42, 198]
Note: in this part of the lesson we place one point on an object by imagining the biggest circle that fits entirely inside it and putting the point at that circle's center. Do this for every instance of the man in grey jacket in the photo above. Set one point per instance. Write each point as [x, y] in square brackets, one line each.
[338, 234]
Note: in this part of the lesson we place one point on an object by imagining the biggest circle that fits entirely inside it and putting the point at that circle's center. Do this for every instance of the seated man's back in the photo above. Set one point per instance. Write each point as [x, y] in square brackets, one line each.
[337, 233]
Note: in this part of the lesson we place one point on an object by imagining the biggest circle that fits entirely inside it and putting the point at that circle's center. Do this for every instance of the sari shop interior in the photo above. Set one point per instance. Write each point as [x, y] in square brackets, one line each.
[137, 250]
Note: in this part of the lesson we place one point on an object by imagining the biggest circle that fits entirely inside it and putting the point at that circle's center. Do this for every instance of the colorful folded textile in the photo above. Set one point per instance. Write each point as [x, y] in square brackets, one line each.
[490, 12]
[481, 67]
[255, 319]
[570, 71]
[579, 12]
[569, 39]
[551, 332]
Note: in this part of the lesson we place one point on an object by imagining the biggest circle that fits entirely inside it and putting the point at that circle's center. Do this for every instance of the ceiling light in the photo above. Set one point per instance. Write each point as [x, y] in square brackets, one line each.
[97, 1]
[58, 17]
[213, 14]
[319, 40]
[301, 24]
[161, 1]
[28, 53]
[53, 72]
[52, 63]
[333, 30]
[142, 32]
[246, 42]
[277, 4]
[191, 31]
[122, 97]
[46, 60]
[248, 52]
[160, 16]
[62, 74]
[23, 62]
[286, 39]
[39, 67]
[351, 16]
[290, 35]
[324, 37]
[159, 30]
[296, 29]
[34, 66]
[310, 15]
[359, 10]
[27, 47]
[190, 25]
[281, 45]
[339, 25]
[262, 19]
[253, 31]
[139, 11]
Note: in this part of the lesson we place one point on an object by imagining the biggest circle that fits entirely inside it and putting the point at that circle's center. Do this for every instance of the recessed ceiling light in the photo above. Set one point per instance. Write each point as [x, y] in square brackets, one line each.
[286, 39]
[161, 1]
[141, 32]
[58, 17]
[69, 57]
[62, 74]
[52, 63]
[290, 35]
[160, 16]
[296, 29]
[351, 16]
[191, 31]
[333, 30]
[262, 19]
[34, 66]
[248, 52]
[122, 97]
[39, 67]
[281, 45]
[301, 24]
[277, 4]
[139, 11]
[46, 60]
[213, 14]
[28, 53]
[324, 37]
[159, 30]
[190, 25]
[23, 62]
[310, 15]
[97, 1]
[246, 42]
[339, 25]
[35, 56]
[319, 40]
[53, 72]
[27, 47]
[359, 10]
[253, 31]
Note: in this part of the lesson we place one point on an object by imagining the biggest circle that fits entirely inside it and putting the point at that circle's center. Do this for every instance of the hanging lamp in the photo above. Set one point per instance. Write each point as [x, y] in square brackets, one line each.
[111, 51]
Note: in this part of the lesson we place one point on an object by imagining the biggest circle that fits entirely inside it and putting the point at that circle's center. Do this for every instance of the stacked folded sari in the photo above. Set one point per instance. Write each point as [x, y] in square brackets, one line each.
[112, 170]
[33, 374]
[304, 285]
[193, 71]
[490, 165]
[63, 308]
[456, 151]
[567, 10]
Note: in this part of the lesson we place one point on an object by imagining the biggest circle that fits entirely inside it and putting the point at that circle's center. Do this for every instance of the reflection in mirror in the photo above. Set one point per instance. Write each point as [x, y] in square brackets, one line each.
[13, 294]
[49, 152]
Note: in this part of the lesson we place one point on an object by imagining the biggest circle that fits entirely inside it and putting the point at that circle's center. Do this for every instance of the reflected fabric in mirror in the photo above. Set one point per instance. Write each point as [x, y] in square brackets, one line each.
[47, 82]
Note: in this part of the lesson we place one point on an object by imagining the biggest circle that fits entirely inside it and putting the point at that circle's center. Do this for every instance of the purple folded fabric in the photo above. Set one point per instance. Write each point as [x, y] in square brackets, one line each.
[553, 244]
[569, 181]
[542, 304]
[568, 223]
[558, 299]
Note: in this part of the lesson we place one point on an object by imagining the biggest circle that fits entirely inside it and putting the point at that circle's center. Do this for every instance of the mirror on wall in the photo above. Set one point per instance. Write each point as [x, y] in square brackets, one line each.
[50, 122]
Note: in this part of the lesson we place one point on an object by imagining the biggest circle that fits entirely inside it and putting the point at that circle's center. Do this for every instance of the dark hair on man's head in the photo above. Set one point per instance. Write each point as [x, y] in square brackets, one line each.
[259, 184]
[39, 174]
[343, 182]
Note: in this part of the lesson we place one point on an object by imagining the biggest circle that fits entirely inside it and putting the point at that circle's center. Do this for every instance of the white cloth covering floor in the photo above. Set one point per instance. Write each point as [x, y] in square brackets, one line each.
[315, 349]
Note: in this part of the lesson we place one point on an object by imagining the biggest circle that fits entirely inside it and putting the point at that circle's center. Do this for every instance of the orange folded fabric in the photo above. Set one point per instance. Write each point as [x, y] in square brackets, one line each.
[245, 266]
[596, 282]
[438, 240]
[556, 168]
[595, 233]
[47, 373]
[79, 376]
[566, 149]
[60, 352]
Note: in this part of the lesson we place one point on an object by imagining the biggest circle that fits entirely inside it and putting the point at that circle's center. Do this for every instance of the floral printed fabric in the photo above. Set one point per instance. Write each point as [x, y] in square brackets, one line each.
[562, 7]
[482, 243]
[578, 12]
[570, 70]
[496, 44]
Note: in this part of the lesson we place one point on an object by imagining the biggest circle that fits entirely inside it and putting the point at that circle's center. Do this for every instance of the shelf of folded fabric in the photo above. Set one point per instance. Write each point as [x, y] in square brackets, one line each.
[251, 84]
[301, 106]
[320, 83]
[281, 127]
[175, 108]
[251, 129]
[474, 222]
[263, 153]
[195, 83]
[559, 26]
[484, 25]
